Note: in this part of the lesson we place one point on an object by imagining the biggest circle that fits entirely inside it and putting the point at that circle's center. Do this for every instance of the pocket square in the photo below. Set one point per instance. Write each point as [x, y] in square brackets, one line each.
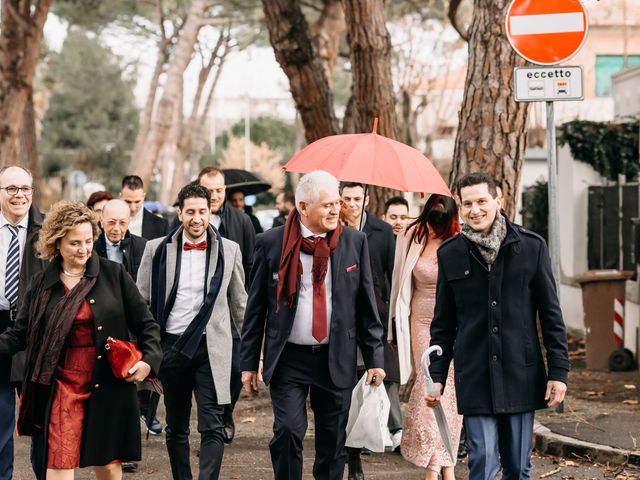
[351, 268]
[276, 276]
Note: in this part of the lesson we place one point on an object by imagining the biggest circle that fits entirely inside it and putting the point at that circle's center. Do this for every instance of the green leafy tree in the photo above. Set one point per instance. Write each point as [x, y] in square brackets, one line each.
[275, 133]
[92, 120]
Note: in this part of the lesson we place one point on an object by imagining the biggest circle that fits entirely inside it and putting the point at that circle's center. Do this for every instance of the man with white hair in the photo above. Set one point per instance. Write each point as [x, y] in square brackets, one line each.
[311, 291]
[116, 242]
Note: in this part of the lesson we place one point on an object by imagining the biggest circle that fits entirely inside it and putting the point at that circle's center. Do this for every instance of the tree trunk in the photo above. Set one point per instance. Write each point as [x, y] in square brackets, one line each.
[147, 112]
[492, 125]
[373, 94]
[28, 145]
[21, 32]
[193, 140]
[161, 121]
[291, 40]
[169, 156]
[326, 34]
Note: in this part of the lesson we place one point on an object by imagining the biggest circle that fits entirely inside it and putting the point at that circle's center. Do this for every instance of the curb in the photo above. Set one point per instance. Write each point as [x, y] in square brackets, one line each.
[545, 441]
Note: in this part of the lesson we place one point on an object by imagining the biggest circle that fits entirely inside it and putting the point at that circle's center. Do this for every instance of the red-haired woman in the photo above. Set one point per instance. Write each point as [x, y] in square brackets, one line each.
[412, 303]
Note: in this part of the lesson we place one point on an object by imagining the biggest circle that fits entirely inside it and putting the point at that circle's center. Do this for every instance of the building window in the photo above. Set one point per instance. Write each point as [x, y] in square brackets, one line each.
[606, 66]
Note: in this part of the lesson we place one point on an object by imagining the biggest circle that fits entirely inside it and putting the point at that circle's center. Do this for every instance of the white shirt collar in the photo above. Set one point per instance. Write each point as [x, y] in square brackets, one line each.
[306, 233]
[24, 223]
[186, 239]
[138, 215]
[110, 243]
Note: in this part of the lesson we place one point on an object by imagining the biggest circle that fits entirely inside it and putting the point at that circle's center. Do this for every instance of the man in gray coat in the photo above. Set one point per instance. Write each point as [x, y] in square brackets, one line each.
[194, 281]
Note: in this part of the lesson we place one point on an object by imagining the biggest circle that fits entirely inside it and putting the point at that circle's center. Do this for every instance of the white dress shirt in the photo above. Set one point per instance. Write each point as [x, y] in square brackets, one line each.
[113, 251]
[5, 240]
[215, 220]
[301, 331]
[135, 226]
[190, 294]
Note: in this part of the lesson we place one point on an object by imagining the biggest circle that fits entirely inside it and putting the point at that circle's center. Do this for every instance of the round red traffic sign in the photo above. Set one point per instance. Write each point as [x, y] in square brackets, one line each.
[546, 32]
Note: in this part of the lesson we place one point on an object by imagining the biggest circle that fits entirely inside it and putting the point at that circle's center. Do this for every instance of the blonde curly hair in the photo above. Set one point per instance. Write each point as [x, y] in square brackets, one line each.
[64, 216]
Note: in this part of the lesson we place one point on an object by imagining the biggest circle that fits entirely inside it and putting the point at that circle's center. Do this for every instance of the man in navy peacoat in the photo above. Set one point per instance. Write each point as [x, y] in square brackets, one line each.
[495, 286]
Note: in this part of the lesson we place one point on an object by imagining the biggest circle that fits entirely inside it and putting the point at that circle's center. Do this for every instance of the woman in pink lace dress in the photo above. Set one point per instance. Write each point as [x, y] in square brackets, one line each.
[412, 303]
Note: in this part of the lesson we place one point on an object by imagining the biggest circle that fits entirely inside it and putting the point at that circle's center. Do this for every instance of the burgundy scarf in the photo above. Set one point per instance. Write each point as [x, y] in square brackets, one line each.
[290, 271]
[44, 348]
[47, 336]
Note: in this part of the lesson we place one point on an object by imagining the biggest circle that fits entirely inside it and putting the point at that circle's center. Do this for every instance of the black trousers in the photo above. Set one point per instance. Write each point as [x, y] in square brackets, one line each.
[302, 371]
[181, 377]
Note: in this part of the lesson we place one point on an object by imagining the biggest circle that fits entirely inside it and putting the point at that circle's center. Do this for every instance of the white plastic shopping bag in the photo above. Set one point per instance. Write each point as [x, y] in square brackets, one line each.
[368, 416]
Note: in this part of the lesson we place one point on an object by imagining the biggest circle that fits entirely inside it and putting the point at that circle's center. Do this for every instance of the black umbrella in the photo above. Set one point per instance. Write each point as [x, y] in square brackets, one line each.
[247, 182]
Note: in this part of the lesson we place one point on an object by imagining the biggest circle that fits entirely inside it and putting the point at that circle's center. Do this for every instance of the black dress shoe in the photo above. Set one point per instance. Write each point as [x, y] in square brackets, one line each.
[229, 430]
[130, 467]
[354, 464]
[463, 450]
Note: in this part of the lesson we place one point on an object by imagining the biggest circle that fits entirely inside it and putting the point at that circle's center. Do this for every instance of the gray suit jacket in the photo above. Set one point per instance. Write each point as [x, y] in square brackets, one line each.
[228, 311]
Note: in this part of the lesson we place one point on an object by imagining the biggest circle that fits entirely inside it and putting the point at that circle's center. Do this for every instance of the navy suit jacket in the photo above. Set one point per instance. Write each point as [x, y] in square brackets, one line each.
[354, 316]
[153, 226]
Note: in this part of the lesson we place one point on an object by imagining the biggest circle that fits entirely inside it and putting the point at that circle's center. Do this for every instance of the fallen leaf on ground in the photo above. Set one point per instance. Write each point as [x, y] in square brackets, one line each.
[595, 394]
[630, 402]
[248, 420]
[630, 387]
[568, 463]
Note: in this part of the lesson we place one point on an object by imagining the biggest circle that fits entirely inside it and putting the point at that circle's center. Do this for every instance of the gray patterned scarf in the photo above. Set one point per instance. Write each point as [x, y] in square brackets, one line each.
[488, 243]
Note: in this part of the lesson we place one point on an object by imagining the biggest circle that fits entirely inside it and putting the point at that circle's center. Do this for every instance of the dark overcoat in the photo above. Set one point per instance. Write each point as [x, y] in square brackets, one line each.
[132, 248]
[487, 319]
[382, 248]
[29, 267]
[111, 427]
[354, 316]
[153, 226]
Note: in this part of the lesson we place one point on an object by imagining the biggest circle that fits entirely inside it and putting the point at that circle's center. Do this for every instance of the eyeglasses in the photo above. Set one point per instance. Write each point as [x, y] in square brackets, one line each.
[13, 190]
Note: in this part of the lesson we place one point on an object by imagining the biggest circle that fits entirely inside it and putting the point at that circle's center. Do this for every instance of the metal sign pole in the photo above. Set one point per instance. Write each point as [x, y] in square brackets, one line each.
[554, 234]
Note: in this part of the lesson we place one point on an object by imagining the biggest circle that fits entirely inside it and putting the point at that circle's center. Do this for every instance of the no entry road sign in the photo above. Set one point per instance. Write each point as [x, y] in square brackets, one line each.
[546, 32]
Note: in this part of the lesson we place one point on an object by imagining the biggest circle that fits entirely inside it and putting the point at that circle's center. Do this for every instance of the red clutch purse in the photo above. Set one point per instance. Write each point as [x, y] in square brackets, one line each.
[122, 355]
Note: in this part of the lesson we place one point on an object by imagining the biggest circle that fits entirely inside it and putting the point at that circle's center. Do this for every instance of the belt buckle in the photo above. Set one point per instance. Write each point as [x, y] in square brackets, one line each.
[316, 348]
[12, 314]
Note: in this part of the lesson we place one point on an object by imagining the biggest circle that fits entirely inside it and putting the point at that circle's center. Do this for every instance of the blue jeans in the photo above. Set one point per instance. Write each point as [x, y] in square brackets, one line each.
[499, 440]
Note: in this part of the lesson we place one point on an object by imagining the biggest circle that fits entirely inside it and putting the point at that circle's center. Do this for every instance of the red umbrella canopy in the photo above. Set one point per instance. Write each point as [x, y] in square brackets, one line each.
[371, 159]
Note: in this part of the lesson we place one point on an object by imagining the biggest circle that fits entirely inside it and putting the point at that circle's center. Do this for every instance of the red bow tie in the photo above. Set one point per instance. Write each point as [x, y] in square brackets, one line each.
[195, 246]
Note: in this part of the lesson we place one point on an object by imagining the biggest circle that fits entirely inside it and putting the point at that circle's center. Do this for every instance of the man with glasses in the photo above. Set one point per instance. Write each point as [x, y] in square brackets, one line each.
[20, 224]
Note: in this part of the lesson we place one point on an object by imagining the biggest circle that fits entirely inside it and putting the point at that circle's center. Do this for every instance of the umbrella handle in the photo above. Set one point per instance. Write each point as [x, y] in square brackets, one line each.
[425, 369]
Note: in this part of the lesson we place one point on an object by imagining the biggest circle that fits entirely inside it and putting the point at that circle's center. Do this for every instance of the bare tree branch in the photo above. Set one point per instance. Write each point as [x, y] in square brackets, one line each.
[452, 13]
[24, 24]
[311, 5]
[225, 20]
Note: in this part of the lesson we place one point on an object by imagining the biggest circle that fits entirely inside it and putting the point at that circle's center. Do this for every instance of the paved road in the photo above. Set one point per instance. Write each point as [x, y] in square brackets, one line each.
[248, 457]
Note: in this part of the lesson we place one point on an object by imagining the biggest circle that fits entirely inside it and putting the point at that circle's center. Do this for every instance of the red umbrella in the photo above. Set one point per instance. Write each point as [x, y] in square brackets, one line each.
[371, 159]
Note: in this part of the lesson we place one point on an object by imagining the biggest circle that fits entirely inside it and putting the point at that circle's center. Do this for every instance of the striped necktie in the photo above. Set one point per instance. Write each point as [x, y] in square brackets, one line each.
[12, 270]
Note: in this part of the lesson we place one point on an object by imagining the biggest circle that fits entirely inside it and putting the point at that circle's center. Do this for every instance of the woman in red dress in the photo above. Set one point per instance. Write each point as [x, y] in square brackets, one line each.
[86, 415]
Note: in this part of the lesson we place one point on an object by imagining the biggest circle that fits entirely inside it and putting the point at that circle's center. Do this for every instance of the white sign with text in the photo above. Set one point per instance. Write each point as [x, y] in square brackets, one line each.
[548, 84]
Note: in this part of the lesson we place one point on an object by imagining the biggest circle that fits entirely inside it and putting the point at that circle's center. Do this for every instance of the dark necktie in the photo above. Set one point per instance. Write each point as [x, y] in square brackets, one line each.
[12, 270]
[319, 325]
